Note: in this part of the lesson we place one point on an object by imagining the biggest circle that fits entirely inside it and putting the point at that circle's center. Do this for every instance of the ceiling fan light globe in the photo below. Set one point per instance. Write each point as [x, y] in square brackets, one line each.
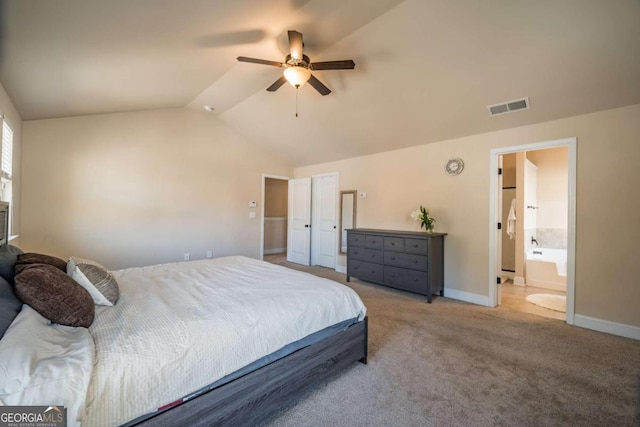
[297, 76]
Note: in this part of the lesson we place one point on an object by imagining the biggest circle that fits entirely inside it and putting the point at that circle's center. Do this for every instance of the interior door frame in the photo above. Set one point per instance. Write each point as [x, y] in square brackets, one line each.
[571, 144]
[264, 179]
[498, 219]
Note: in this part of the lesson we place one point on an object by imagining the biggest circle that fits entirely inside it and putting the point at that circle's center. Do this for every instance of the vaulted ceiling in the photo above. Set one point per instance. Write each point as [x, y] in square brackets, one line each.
[425, 69]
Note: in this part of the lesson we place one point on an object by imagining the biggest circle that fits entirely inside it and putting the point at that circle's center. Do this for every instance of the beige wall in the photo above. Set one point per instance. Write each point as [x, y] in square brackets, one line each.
[141, 188]
[275, 236]
[608, 149]
[14, 120]
[276, 196]
[275, 212]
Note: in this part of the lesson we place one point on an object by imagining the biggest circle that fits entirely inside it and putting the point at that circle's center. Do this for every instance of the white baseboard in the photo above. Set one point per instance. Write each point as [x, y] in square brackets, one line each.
[519, 281]
[509, 274]
[467, 297]
[341, 269]
[619, 329]
[275, 251]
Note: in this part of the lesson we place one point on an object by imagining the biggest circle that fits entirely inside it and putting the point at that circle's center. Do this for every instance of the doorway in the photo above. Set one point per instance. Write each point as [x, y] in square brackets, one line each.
[300, 219]
[273, 229]
[530, 230]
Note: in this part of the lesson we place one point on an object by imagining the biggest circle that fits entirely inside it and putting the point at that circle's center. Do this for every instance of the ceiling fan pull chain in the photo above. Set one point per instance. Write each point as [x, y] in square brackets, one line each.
[297, 101]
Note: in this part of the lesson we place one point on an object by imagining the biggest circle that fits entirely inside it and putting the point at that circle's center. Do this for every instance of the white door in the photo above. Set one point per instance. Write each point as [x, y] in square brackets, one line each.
[299, 221]
[323, 232]
[530, 204]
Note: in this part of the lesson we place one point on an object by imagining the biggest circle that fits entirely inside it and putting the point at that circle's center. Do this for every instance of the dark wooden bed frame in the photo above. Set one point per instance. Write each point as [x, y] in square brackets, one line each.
[257, 395]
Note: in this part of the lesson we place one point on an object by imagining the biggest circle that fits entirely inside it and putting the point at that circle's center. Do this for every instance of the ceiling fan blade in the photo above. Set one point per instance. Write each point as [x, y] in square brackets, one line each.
[260, 61]
[319, 86]
[295, 44]
[276, 85]
[345, 64]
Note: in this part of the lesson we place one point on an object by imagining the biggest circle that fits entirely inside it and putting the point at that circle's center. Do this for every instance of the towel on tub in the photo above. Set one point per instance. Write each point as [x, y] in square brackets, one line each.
[511, 220]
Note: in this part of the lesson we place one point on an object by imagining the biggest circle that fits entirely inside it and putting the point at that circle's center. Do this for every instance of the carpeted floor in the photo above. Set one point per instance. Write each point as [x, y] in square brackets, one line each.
[451, 363]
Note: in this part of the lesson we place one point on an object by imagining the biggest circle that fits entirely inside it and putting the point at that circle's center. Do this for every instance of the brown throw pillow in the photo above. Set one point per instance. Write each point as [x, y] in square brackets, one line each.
[22, 267]
[33, 258]
[55, 295]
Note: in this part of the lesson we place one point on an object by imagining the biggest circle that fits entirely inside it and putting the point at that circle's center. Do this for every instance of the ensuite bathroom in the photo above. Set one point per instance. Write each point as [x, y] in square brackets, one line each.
[535, 200]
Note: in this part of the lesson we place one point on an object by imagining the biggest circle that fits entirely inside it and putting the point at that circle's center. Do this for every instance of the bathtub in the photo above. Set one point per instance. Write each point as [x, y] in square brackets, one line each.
[547, 268]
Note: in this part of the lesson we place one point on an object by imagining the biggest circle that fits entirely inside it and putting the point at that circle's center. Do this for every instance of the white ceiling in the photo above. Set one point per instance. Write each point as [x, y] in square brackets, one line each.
[425, 69]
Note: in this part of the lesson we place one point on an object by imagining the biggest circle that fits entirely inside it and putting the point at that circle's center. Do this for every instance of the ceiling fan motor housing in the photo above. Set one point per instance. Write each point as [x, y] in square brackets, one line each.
[295, 62]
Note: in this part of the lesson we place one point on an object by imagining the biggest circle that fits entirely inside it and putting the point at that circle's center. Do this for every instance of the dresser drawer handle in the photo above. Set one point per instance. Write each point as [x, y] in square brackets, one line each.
[393, 276]
[393, 243]
[415, 280]
[415, 261]
[393, 258]
[373, 272]
[373, 242]
[415, 246]
[355, 252]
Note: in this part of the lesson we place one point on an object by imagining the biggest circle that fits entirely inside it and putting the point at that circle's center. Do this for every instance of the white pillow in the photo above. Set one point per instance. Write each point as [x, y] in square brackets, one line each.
[43, 363]
[96, 279]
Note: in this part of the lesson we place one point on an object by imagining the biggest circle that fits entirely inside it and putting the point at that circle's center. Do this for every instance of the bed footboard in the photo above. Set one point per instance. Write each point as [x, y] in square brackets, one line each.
[258, 394]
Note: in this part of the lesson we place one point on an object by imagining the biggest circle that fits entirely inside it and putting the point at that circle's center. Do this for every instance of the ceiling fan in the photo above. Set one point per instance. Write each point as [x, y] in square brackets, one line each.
[298, 67]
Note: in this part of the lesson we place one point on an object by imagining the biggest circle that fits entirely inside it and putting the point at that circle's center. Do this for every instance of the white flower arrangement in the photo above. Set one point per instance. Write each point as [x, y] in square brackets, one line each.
[422, 214]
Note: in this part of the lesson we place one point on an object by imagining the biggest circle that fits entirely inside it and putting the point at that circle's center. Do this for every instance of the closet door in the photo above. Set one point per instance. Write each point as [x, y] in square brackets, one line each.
[299, 221]
[324, 217]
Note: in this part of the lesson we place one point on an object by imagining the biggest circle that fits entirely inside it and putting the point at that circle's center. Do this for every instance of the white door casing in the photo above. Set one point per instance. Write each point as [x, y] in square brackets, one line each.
[499, 235]
[324, 217]
[299, 221]
[571, 144]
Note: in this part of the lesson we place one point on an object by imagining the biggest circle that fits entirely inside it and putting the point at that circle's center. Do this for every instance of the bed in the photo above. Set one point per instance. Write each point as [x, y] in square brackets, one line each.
[226, 341]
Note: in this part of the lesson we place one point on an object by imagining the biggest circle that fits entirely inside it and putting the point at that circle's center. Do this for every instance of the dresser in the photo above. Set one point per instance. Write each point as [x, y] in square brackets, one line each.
[411, 261]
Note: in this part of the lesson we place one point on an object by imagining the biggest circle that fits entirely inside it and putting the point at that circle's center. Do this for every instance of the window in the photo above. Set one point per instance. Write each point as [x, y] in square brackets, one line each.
[7, 150]
[6, 168]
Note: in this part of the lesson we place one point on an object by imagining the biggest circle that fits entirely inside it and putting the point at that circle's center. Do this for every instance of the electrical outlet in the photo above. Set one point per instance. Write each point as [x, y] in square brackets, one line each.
[209, 254]
[187, 256]
[252, 204]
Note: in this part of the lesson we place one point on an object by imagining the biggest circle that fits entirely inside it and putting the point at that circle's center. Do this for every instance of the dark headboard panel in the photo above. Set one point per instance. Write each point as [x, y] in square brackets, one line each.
[4, 223]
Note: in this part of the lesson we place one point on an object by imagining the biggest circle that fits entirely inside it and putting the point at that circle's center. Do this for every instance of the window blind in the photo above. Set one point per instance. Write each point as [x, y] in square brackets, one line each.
[7, 150]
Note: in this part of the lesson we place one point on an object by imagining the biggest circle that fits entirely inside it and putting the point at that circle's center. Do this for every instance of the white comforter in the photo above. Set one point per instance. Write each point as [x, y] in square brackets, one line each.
[179, 327]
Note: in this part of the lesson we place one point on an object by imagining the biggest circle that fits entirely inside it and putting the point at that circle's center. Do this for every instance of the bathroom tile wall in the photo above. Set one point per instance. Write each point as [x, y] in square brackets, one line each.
[552, 238]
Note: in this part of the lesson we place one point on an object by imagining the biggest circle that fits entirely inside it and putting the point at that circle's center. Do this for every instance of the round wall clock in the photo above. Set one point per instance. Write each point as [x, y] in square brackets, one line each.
[454, 166]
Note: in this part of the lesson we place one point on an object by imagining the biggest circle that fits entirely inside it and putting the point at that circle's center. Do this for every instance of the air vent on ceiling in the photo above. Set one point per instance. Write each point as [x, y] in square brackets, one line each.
[509, 106]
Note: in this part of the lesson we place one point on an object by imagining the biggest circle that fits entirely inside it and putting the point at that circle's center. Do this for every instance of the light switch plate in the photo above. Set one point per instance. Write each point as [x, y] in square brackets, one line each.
[252, 214]
[363, 195]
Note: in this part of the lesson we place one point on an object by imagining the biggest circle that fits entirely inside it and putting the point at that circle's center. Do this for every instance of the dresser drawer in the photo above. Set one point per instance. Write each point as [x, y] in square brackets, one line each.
[415, 246]
[355, 239]
[394, 244]
[373, 242]
[364, 254]
[365, 270]
[414, 262]
[409, 280]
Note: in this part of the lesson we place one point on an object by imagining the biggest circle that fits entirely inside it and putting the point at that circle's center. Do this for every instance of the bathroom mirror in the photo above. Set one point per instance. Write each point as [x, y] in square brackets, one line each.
[347, 216]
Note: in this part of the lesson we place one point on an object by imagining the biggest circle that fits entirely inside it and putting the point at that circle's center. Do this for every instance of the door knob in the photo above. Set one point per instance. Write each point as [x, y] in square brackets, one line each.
[306, 226]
